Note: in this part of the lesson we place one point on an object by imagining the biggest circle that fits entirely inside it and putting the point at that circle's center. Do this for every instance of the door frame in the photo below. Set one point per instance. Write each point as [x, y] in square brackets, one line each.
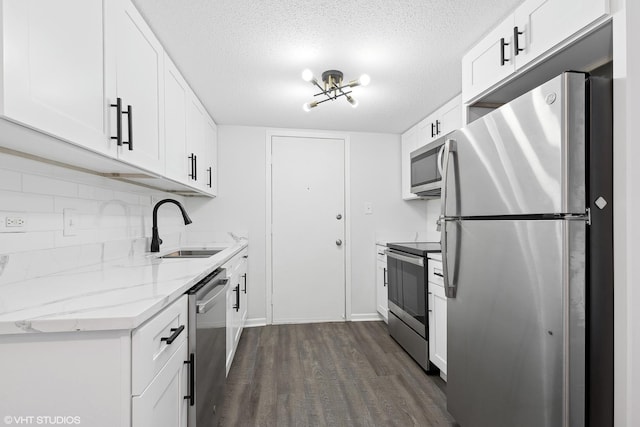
[270, 134]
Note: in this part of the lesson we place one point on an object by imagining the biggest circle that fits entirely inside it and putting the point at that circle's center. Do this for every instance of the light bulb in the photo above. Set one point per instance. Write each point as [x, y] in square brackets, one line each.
[352, 101]
[364, 80]
[309, 105]
[307, 75]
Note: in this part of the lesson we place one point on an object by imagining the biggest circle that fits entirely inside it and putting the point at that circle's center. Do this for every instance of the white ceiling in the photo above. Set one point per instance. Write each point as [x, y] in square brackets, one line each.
[244, 58]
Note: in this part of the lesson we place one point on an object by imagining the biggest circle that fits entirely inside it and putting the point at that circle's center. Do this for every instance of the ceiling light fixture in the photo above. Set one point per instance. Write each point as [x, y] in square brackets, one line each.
[333, 87]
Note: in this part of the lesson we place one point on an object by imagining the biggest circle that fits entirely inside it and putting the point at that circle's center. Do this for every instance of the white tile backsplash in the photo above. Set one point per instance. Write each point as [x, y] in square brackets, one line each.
[10, 180]
[37, 184]
[113, 219]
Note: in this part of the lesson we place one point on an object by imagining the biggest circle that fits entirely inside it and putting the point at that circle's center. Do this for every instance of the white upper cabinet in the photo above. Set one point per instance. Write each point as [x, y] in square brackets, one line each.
[135, 75]
[196, 146]
[53, 74]
[91, 73]
[545, 23]
[489, 61]
[532, 32]
[190, 135]
[211, 157]
[176, 96]
[409, 143]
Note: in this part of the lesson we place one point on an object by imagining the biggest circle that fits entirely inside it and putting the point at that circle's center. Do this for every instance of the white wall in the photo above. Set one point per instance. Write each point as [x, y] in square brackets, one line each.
[113, 218]
[241, 206]
[626, 211]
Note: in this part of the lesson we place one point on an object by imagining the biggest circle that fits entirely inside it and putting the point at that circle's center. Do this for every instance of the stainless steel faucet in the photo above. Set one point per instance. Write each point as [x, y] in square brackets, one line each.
[156, 241]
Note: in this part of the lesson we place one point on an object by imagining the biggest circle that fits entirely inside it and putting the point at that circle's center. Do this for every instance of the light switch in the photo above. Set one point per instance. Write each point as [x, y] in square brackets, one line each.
[368, 208]
[70, 219]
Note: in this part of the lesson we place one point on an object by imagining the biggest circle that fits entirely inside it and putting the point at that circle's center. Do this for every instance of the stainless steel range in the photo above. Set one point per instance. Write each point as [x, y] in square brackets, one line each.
[407, 276]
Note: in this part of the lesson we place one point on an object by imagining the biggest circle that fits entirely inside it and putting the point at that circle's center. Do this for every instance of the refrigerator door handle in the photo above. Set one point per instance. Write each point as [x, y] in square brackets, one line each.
[449, 287]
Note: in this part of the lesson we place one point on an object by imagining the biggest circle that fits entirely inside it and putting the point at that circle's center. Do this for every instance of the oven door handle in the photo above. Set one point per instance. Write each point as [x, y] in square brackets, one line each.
[406, 258]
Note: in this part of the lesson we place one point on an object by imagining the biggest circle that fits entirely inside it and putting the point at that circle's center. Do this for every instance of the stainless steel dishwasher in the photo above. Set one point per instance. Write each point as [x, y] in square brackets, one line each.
[207, 349]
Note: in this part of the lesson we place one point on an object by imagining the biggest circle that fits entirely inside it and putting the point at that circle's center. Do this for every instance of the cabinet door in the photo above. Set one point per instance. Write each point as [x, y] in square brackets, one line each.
[210, 164]
[135, 74]
[381, 283]
[53, 69]
[196, 119]
[546, 23]
[438, 327]
[409, 143]
[451, 116]
[162, 403]
[244, 293]
[482, 66]
[176, 95]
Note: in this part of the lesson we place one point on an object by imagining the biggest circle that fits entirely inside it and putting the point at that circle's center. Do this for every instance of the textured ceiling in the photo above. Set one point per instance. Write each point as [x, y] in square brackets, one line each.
[244, 58]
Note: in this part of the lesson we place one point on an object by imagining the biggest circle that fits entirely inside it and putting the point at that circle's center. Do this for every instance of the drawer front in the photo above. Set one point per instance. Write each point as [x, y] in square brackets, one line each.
[380, 255]
[234, 263]
[434, 270]
[152, 346]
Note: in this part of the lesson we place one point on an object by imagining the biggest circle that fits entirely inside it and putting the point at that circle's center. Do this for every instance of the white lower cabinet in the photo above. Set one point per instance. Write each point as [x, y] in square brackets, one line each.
[237, 299]
[162, 403]
[437, 303]
[382, 295]
[100, 379]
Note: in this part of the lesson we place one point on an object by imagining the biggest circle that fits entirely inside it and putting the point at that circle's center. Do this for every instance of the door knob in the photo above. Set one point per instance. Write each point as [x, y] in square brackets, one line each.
[338, 216]
[339, 242]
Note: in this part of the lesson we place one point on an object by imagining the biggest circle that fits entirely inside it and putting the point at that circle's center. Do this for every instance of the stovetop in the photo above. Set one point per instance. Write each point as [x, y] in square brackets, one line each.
[416, 248]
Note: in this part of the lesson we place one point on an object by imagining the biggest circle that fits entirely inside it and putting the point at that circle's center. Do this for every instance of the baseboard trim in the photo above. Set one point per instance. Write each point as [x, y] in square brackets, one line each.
[366, 317]
[252, 323]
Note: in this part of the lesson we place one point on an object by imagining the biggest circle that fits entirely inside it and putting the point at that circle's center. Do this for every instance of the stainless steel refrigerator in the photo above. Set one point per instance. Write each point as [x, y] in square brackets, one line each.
[526, 231]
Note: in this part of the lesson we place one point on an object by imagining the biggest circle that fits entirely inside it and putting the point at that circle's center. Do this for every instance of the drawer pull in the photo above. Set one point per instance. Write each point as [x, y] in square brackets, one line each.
[175, 332]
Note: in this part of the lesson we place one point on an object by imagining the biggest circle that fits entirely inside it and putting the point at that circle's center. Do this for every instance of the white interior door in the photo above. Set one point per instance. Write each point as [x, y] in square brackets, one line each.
[308, 229]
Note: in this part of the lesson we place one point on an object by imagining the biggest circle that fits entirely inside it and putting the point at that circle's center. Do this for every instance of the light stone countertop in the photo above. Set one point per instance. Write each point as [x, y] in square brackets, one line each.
[119, 294]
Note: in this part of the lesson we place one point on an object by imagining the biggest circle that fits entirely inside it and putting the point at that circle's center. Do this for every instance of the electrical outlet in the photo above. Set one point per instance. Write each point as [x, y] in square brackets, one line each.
[13, 222]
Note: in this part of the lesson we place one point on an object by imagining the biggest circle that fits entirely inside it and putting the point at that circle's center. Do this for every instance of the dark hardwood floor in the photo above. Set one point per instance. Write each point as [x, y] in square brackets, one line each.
[329, 374]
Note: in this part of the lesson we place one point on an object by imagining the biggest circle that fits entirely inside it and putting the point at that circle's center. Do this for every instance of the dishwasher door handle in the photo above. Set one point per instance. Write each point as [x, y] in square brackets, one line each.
[204, 306]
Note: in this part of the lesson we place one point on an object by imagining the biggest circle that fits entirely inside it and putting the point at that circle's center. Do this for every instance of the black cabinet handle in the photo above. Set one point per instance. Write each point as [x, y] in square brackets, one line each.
[175, 332]
[118, 136]
[210, 180]
[437, 127]
[129, 114]
[244, 276]
[192, 174]
[195, 167]
[503, 60]
[516, 44]
[237, 304]
[433, 130]
[384, 279]
[192, 379]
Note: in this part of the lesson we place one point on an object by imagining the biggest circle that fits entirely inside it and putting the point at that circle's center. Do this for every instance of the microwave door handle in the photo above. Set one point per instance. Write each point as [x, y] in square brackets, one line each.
[439, 160]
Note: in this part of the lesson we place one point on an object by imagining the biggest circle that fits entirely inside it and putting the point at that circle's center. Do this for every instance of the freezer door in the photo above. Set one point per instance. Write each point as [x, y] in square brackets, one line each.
[516, 326]
[527, 157]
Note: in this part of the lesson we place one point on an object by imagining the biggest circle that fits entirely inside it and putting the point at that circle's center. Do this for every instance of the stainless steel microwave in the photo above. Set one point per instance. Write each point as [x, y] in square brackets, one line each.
[426, 169]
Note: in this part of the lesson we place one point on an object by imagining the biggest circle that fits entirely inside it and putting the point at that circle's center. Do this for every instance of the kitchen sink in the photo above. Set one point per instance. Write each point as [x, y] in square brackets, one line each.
[191, 253]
